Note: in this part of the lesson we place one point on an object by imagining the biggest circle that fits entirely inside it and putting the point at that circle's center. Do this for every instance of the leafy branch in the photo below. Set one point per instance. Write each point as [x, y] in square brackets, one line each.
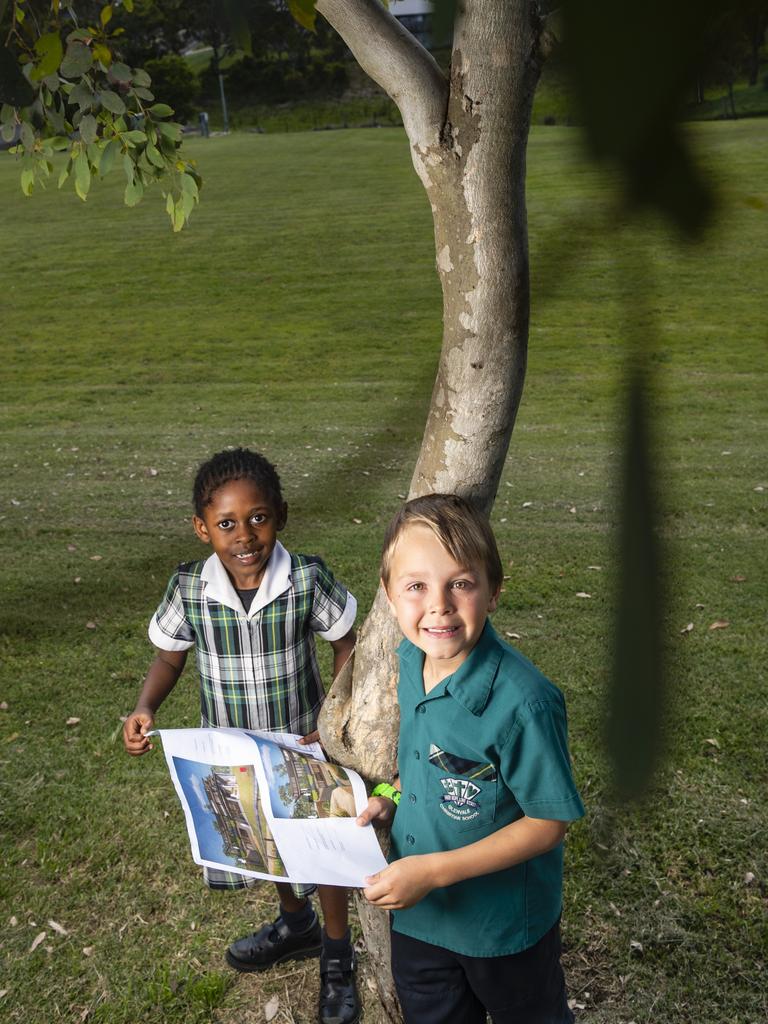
[63, 89]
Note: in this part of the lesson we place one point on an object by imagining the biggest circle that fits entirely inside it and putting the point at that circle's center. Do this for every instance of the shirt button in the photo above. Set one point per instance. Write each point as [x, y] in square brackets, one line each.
[416, 754]
[421, 709]
[410, 840]
[412, 797]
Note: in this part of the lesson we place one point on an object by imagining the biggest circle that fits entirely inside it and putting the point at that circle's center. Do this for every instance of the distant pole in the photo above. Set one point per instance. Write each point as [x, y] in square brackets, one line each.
[217, 69]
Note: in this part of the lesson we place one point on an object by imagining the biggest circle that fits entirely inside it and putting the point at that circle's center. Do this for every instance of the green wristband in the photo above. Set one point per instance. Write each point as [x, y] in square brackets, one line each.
[384, 789]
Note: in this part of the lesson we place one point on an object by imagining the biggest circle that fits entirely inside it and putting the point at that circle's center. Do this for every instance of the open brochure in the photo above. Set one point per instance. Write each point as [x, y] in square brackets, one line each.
[259, 804]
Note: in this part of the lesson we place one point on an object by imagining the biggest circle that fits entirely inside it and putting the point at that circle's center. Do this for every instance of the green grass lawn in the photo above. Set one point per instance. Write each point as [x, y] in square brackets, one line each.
[300, 314]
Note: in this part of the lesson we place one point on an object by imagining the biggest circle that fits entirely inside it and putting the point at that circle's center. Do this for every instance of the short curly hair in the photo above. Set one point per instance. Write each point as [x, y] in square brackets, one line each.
[462, 529]
[235, 464]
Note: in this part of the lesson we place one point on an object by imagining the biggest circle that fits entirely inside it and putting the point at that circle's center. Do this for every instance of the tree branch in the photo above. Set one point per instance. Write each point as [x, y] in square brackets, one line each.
[396, 61]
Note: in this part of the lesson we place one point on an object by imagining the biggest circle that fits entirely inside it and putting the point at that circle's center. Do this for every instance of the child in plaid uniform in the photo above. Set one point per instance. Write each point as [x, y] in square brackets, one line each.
[251, 612]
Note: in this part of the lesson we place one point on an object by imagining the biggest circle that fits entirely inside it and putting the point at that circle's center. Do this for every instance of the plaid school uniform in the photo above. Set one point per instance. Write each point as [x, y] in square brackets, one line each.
[258, 669]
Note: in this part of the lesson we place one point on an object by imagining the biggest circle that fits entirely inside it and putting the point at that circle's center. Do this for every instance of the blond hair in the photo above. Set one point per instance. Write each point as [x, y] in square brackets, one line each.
[462, 529]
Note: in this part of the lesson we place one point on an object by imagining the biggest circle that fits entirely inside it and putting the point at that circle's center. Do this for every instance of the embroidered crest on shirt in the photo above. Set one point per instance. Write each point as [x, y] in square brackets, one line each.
[458, 800]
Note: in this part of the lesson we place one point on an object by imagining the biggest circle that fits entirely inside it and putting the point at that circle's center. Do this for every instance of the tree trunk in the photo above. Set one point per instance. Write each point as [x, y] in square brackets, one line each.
[468, 137]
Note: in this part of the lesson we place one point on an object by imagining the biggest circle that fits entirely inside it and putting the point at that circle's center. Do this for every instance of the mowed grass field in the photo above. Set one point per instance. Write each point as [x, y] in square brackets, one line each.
[300, 314]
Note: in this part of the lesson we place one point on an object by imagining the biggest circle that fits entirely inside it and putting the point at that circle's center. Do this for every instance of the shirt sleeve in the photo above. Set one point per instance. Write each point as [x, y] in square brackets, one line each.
[169, 628]
[333, 607]
[536, 766]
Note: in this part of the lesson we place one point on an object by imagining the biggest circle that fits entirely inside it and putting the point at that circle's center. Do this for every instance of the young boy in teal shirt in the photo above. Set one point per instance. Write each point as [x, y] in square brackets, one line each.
[484, 794]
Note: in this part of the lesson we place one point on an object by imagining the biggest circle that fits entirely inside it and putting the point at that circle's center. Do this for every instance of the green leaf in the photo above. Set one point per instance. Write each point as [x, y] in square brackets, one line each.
[82, 95]
[27, 136]
[59, 143]
[161, 110]
[7, 132]
[88, 129]
[52, 82]
[77, 61]
[140, 77]
[27, 181]
[94, 156]
[143, 94]
[49, 51]
[179, 217]
[134, 191]
[120, 72]
[108, 157]
[82, 175]
[7, 114]
[65, 172]
[304, 12]
[102, 53]
[170, 130]
[106, 15]
[128, 5]
[187, 203]
[111, 101]
[169, 206]
[154, 157]
[14, 88]
[134, 137]
[129, 167]
[189, 185]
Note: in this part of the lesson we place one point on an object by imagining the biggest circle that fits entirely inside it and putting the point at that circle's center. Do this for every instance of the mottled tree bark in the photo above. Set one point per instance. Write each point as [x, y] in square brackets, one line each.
[468, 135]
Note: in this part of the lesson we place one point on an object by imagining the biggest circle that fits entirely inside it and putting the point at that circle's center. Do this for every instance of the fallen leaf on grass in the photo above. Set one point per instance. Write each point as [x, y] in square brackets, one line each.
[3, 992]
[687, 629]
[90, 625]
[635, 948]
[71, 547]
[749, 878]
[719, 624]
[712, 742]
[36, 941]
[583, 593]
[12, 737]
[4, 705]
[13, 921]
[57, 927]
[595, 568]
[358, 522]
[513, 636]
[574, 1004]
[738, 579]
[96, 558]
[87, 950]
[72, 721]
[271, 1008]
[527, 504]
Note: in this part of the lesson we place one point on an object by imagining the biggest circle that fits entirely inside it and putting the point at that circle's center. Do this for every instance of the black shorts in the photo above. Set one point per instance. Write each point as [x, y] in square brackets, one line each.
[436, 986]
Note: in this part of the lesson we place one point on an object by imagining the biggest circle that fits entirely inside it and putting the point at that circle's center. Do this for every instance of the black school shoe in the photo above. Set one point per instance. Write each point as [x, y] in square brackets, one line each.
[339, 1001]
[273, 944]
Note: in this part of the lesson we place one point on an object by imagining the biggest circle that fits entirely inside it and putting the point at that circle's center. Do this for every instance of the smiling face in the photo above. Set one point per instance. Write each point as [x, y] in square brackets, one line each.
[241, 524]
[441, 606]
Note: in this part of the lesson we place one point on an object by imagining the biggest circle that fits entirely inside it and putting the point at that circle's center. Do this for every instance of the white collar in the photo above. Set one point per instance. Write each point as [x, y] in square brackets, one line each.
[275, 581]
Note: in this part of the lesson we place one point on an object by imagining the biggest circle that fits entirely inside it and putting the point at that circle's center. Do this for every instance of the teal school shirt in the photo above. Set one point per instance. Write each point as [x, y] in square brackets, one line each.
[487, 745]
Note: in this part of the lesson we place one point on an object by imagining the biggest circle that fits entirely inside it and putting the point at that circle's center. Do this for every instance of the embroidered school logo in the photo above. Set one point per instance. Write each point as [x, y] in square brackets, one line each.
[458, 801]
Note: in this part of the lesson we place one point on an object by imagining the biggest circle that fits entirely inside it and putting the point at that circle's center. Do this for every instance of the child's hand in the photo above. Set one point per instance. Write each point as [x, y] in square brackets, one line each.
[312, 737]
[401, 884]
[135, 729]
[380, 809]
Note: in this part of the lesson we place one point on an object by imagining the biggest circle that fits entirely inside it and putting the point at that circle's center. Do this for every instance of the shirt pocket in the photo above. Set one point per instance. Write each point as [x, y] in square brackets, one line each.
[464, 788]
